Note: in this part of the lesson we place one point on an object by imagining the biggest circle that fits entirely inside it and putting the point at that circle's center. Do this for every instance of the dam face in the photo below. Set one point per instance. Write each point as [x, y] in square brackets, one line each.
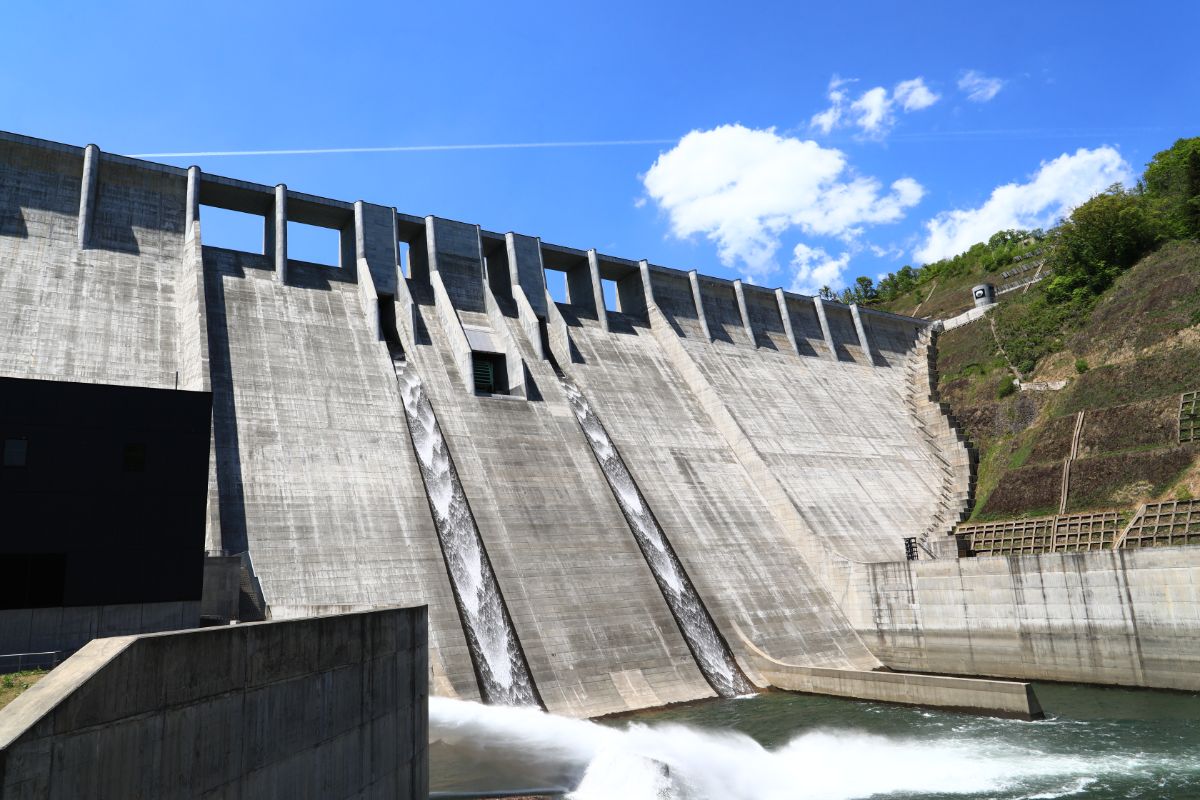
[780, 448]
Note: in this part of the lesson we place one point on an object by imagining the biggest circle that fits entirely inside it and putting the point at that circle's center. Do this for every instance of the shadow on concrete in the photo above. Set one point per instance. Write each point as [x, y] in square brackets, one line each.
[232, 501]
[765, 342]
[12, 220]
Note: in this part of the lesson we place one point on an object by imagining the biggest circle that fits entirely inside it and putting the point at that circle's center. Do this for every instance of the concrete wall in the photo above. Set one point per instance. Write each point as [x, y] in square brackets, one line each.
[102, 314]
[746, 568]
[334, 707]
[839, 439]
[596, 632]
[38, 630]
[775, 436]
[317, 475]
[1003, 698]
[1129, 617]
[806, 325]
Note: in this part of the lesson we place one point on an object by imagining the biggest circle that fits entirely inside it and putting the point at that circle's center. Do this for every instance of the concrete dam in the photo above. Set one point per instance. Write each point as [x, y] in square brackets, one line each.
[662, 488]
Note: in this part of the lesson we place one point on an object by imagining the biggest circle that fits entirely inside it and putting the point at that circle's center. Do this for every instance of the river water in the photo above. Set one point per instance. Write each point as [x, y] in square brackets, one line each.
[1095, 743]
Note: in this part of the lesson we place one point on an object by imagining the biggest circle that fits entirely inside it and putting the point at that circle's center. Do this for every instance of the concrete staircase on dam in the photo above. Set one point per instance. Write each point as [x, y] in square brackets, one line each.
[956, 457]
[784, 446]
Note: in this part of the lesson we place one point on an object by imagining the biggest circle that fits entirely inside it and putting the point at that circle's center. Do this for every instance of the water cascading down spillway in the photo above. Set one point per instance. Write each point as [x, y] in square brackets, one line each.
[706, 644]
[503, 674]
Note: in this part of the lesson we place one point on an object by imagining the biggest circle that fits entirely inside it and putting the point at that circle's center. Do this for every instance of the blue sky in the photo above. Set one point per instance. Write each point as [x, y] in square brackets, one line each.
[805, 143]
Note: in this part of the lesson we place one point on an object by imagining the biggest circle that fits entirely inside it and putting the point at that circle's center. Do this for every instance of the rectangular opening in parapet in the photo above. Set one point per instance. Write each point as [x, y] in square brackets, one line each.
[491, 372]
[314, 244]
[556, 285]
[609, 289]
[232, 230]
[403, 263]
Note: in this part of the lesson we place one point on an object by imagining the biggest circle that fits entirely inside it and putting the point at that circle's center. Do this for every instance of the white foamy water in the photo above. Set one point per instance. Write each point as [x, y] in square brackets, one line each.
[712, 655]
[493, 643]
[675, 762]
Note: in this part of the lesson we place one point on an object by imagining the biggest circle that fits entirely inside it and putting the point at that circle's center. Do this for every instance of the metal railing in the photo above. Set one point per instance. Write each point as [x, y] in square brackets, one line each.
[18, 662]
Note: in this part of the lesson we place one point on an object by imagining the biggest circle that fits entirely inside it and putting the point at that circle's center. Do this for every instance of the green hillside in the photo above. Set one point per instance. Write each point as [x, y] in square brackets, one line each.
[1116, 316]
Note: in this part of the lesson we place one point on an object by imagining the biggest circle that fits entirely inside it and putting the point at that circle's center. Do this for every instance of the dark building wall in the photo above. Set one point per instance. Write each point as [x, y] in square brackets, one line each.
[102, 493]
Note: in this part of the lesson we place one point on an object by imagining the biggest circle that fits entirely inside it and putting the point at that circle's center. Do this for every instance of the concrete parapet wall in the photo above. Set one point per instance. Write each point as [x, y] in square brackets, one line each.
[846, 344]
[672, 293]
[455, 253]
[105, 314]
[317, 708]
[1110, 617]
[766, 322]
[722, 312]
[806, 326]
[892, 338]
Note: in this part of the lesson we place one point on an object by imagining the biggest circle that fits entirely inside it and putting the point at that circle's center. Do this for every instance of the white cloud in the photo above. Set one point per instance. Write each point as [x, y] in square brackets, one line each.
[815, 268]
[1050, 194]
[874, 112]
[914, 95]
[828, 119]
[744, 188]
[979, 87]
[892, 252]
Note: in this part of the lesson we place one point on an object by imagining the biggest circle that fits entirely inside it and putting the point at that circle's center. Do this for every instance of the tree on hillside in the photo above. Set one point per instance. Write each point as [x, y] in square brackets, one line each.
[1102, 238]
[1171, 185]
[864, 290]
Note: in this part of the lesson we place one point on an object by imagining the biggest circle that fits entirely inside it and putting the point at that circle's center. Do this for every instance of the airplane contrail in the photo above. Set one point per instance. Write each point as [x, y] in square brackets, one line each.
[415, 148]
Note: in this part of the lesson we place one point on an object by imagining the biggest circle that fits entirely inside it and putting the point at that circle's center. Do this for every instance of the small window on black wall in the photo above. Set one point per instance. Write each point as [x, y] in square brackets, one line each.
[133, 459]
[15, 452]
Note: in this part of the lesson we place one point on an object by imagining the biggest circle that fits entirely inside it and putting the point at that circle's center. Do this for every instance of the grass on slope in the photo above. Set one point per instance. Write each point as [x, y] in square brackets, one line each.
[14, 683]
[1138, 346]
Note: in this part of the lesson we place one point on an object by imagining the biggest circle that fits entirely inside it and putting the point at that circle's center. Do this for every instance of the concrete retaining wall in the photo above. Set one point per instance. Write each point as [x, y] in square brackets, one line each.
[334, 707]
[1005, 698]
[1128, 617]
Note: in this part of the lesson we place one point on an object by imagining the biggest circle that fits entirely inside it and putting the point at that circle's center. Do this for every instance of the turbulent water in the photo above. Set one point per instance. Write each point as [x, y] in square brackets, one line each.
[697, 626]
[504, 676]
[1100, 744]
